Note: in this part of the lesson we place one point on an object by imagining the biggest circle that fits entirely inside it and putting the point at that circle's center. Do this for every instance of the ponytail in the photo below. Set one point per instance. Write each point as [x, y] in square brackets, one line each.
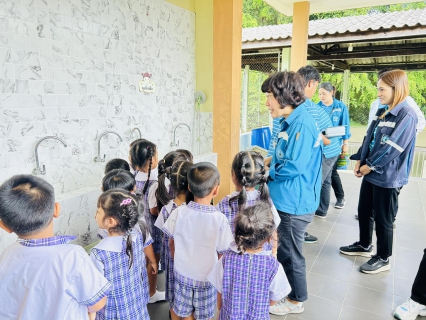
[162, 194]
[150, 155]
[129, 248]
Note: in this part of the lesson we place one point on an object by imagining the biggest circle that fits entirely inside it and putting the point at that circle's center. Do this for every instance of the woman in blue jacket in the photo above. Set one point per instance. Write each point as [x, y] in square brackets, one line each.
[384, 160]
[295, 180]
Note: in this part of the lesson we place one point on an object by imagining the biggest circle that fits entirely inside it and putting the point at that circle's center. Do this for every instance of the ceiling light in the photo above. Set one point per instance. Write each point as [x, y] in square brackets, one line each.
[350, 48]
[332, 66]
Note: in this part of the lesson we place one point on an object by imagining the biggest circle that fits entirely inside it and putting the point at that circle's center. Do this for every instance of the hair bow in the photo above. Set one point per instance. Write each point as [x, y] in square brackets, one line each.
[126, 202]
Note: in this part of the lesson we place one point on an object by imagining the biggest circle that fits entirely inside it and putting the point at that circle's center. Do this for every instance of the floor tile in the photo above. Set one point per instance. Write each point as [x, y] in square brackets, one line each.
[334, 269]
[350, 313]
[325, 287]
[383, 281]
[346, 231]
[410, 243]
[402, 287]
[333, 253]
[317, 308]
[368, 299]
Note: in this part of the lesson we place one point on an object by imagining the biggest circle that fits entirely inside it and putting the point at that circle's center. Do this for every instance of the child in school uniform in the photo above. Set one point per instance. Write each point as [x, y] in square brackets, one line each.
[120, 256]
[117, 163]
[144, 158]
[248, 172]
[199, 233]
[163, 165]
[177, 175]
[42, 276]
[247, 278]
[123, 179]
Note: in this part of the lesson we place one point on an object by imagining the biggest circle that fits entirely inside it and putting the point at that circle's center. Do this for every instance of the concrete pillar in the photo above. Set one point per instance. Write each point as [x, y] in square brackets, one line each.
[227, 34]
[345, 91]
[299, 35]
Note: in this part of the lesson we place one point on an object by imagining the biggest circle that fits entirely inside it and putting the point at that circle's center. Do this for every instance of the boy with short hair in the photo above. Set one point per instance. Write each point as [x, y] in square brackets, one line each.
[199, 233]
[41, 275]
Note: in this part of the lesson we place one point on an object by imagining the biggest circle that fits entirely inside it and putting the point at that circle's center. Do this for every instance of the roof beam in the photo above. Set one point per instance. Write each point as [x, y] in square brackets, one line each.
[364, 55]
[371, 47]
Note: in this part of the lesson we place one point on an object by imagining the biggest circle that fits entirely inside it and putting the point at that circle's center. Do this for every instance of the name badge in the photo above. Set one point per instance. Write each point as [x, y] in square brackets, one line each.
[283, 135]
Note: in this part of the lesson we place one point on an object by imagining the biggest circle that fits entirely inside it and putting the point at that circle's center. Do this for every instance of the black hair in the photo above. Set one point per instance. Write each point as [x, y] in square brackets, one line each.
[249, 171]
[309, 73]
[141, 153]
[118, 178]
[326, 86]
[203, 177]
[117, 164]
[178, 176]
[130, 151]
[265, 85]
[253, 227]
[383, 71]
[185, 154]
[288, 88]
[27, 204]
[126, 210]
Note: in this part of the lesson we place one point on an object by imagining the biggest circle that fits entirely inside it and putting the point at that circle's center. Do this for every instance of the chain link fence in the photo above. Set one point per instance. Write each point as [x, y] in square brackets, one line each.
[255, 69]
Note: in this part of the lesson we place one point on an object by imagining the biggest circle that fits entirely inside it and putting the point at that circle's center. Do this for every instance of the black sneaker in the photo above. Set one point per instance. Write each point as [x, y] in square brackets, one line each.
[356, 249]
[375, 265]
[310, 238]
[340, 203]
[320, 215]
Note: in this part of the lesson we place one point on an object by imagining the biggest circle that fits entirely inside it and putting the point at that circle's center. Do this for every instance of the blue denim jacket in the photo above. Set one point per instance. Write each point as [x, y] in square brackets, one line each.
[295, 170]
[391, 155]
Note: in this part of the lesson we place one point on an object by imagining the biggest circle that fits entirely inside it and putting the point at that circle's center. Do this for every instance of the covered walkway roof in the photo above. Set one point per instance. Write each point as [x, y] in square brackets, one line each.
[360, 44]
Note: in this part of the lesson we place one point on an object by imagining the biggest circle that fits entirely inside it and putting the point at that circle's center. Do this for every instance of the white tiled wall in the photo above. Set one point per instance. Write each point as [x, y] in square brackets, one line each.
[70, 68]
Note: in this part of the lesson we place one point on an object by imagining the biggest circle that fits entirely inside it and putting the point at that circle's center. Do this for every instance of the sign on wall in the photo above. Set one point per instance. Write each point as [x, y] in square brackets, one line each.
[147, 84]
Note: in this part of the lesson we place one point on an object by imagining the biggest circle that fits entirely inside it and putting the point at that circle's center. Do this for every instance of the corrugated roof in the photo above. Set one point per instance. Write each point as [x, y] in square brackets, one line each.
[375, 21]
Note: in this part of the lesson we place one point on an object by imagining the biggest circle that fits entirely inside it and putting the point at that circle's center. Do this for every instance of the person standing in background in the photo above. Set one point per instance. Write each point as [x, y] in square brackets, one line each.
[339, 116]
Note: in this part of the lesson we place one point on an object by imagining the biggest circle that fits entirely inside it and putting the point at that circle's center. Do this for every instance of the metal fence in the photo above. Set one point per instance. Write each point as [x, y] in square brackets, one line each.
[418, 170]
[255, 69]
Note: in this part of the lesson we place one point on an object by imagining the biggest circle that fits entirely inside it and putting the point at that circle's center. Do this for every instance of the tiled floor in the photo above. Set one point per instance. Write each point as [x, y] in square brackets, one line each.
[337, 290]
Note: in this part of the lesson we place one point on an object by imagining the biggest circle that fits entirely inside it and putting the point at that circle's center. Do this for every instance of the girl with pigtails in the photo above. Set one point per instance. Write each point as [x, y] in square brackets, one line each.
[144, 159]
[120, 256]
[247, 278]
[177, 175]
[163, 165]
[248, 172]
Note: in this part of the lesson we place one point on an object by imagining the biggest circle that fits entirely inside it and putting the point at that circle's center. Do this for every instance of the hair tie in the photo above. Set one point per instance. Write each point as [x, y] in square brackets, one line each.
[126, 202]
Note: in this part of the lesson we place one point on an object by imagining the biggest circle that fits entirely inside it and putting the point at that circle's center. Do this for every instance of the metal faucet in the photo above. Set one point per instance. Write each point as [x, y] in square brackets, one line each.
[173, 143]
[98, 158]
[42, 170]
[135, 129]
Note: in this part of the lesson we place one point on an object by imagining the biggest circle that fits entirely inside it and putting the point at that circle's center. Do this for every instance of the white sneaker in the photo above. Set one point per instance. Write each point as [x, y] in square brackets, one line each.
[409, 310]
[284, 307]
[157, 296]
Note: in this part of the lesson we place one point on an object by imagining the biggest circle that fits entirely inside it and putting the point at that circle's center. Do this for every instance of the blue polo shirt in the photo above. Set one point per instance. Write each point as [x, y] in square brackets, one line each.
[339, 116]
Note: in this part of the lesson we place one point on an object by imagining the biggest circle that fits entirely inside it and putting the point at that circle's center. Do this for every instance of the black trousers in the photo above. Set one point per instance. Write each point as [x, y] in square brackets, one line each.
[384, 203]
[336, 183]
[418, 292]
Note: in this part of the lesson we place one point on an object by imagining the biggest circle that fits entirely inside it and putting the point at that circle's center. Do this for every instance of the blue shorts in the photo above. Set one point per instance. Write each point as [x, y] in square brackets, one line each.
[193, 296]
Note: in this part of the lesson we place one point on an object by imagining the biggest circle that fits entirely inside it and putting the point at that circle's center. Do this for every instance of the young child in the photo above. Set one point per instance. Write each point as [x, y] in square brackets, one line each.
[177, 176]
[122, 179]
[199, 233]
[116, 164]
[120, 256]
[247, 278]
[41, 275]
[248, 172]
[144, 158]
[163, 165]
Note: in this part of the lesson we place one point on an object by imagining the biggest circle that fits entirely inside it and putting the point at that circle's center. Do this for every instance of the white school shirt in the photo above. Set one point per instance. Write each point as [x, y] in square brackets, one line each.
[103, 233]
[279, 287]
[420, 116]
[143, 176]
[200, 233]
[153, 176]
[159, 223]
[48, 282]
